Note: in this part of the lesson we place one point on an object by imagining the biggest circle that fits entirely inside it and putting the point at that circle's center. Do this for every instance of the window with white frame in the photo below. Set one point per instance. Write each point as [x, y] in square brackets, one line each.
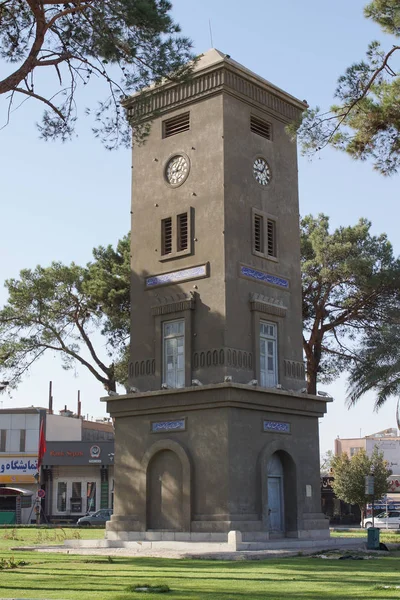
[354, 451]
[91, 496]
[173, 345]
[62, 496]
[268, 354]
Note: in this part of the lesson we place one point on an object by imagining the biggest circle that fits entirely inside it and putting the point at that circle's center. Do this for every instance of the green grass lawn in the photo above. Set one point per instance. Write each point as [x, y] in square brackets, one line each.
[32, 536]
[387, 536]
[69, 577]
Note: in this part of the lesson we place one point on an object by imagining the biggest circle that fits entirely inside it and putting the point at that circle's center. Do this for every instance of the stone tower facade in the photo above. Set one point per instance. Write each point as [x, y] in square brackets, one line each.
[217, 246]
[215, 434]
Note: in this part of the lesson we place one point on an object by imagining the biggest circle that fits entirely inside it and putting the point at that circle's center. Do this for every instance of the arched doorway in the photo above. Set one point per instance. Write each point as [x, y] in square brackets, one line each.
[165, 492]
[275, 493]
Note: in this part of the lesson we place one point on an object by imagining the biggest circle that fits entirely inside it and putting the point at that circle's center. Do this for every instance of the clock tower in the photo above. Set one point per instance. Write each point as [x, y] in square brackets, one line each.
[216, 433]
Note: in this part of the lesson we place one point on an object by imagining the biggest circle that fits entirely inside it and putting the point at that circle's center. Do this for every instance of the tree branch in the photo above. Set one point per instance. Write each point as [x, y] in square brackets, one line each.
[42, 99]
[9, 83]
[342, 117]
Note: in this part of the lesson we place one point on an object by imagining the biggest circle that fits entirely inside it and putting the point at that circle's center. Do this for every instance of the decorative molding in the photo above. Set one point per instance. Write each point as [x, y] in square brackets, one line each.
[164, 98]
[263, 277]
[215, 357]
[294, 369]
[260, 95]
[160, 99]
[191, 273]
[163, 426]
[276, 426]
[264, 304]
[175, 303]
[141, 368]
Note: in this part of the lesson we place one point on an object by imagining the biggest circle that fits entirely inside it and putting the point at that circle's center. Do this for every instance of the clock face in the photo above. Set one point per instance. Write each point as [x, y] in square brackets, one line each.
[177, 169]
[261, 171]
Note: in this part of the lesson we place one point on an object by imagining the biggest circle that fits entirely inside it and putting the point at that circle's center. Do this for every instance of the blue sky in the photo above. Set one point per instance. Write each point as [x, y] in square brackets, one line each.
[58, 201]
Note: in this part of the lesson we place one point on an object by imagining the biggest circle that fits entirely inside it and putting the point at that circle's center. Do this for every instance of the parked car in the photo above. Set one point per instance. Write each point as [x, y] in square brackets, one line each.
[97, 518]
[385, 520]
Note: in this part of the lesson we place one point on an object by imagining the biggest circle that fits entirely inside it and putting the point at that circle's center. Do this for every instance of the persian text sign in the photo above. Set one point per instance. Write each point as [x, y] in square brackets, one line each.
[15, 465]
[263, 277]
[277, 426]
[161, 426]
[177, 276]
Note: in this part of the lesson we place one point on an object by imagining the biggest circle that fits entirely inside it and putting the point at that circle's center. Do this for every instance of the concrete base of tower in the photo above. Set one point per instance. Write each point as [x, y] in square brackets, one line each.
[221, 545]
[205, 461]
[221, 532]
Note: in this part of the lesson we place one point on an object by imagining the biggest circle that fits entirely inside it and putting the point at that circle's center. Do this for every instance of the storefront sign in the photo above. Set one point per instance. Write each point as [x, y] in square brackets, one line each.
[326, 484]
[17, 469]
[79, 453]
[394, 484]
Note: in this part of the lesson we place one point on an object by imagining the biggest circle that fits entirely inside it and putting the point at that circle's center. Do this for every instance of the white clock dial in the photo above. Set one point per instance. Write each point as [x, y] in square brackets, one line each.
[261, 171]
[177, 170]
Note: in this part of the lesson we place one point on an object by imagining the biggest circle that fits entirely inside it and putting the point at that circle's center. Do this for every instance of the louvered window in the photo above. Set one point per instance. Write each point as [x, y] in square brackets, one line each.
[260, 127]
[182, 230]
[176, 235]
[258, 233]
[264, 234]
[176, 125]
[271, 238]
[166, 236]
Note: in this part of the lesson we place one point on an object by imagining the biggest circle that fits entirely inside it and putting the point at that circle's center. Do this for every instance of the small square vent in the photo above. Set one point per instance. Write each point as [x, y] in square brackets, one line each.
[260, 127]
[176, 125]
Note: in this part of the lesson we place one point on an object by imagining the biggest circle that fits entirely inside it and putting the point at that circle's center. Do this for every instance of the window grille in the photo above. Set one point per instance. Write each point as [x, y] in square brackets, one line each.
[258, 233]
[176, 125]
[271, 238]
[166, 236]
[260, 127]
[182, 231]
[264, 235]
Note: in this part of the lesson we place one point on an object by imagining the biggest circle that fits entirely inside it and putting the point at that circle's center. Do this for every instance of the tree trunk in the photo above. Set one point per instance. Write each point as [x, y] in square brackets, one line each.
[311, 379]
[13, 80]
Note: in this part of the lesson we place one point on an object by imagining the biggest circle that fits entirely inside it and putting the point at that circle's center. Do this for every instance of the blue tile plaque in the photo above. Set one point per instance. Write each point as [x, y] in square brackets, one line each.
[161, 426]
[277, 426]
[263, 277]
[177, 276]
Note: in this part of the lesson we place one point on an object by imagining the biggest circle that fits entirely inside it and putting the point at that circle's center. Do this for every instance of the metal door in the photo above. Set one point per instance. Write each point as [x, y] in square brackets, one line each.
[275, 503]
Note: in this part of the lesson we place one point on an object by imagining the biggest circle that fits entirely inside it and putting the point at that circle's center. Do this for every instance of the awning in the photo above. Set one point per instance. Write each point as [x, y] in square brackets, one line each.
[11, 491]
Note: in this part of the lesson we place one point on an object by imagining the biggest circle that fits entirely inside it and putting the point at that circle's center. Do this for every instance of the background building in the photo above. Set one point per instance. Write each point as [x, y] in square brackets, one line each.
[388, 442]
[76, 474]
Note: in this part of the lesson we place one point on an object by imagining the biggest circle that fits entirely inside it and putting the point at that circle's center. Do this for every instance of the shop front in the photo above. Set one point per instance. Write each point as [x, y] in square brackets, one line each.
[17, 469]
[77, 478]
[15, 506]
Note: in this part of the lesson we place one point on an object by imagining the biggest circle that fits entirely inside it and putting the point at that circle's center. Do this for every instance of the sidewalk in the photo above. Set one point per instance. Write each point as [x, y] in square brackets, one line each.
[210, 550]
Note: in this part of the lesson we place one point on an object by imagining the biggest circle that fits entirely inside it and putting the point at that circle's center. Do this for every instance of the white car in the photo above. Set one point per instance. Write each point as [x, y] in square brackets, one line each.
[385, 520]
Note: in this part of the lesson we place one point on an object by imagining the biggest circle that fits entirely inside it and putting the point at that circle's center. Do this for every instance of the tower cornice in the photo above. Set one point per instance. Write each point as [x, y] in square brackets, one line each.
[212, 77]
